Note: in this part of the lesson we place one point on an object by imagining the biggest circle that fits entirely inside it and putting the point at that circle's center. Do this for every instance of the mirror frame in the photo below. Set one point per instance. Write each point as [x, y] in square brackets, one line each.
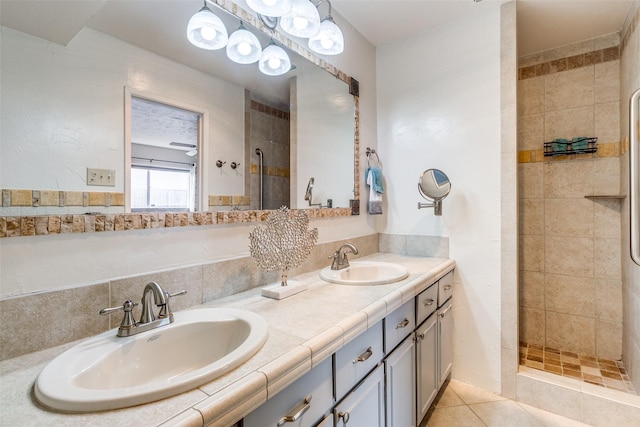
[426, 195]
[40, 225]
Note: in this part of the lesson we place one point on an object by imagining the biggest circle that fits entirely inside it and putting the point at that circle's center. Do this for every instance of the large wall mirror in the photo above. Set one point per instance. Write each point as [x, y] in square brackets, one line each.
[66, 105]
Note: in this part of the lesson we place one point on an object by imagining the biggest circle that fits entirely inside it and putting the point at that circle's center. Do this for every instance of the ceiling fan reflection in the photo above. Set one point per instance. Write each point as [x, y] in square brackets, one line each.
[191, 153]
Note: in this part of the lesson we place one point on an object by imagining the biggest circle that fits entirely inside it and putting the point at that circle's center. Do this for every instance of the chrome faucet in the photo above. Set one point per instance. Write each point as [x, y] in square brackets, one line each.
[339, 257]
[159, 297]
[148, 320]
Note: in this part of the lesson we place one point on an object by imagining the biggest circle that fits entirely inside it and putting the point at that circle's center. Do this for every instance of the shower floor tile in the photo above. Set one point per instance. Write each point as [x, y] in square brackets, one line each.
[602, 372]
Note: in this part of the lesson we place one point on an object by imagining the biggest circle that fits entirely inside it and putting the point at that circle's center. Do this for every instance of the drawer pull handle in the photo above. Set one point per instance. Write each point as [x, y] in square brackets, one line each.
[402, 324]
[442, 313]
[421, 335]
[344, 416]
[428, 302]
[298, 411]
[447, 287]
[364, 356]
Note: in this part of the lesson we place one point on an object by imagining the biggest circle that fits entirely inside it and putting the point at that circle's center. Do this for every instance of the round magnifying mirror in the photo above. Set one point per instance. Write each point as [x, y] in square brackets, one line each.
[434, 184]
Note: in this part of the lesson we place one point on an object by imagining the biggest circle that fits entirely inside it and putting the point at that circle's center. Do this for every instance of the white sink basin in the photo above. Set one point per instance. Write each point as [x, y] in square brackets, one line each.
[109, 372]
[367, 273]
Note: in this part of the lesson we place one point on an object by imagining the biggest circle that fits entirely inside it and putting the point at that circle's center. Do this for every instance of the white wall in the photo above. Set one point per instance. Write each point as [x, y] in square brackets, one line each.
[29, 264]
[439, 107]
[63, 110]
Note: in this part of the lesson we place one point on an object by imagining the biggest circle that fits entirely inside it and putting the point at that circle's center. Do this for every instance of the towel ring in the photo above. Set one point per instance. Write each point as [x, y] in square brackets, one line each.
[376, 162]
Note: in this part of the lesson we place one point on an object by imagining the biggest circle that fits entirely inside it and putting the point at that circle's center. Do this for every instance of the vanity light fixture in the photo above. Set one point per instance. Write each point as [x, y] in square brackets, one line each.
[274, 60]
[329, 41]
[270, 8]
[302, 20]
[243, 46]
[206, 31]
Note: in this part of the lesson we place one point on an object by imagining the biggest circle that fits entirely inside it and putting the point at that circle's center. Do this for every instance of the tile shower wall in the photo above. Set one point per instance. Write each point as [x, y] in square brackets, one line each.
[570, 276]
[268, 129]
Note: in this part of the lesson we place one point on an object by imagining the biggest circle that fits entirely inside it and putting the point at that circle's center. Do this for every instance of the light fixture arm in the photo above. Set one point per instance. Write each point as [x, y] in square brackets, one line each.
[329, 3]
[270, 22]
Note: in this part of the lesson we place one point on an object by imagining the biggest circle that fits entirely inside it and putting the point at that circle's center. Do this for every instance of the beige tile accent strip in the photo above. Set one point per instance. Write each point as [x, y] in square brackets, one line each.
[22, 226]
[227, 200]
[37, 198]
[611, 149]
[268, 109]
[569, 63]
[235, 217]
[16, 226]
[254, 169]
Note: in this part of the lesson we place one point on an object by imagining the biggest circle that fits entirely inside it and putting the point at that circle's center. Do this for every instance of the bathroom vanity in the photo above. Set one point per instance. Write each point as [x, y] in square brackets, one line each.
[336, 355]
[375, 374]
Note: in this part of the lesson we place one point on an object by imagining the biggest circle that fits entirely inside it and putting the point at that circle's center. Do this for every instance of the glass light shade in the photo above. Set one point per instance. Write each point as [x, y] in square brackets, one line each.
[273, 8]
[329, 41]
[206, 31]
[243, 46]
[274, 61]
[302, 20]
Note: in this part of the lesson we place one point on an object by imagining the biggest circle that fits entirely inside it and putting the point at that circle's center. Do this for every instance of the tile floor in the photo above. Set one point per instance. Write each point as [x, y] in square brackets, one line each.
[602, 372]
[463, 405]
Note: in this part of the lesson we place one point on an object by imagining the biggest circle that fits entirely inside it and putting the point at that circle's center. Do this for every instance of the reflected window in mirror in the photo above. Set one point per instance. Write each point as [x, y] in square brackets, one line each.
[164, 146]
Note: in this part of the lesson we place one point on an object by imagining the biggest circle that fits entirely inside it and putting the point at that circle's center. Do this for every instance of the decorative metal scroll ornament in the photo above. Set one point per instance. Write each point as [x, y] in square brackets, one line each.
[284, 243]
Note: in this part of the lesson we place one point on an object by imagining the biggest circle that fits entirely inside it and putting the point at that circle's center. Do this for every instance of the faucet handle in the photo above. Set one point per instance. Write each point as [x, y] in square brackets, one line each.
[165, 310]
[127, 321]
[336, 260]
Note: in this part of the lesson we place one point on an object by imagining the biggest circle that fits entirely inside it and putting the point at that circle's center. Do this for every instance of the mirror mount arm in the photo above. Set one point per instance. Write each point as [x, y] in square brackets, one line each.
[436, 205]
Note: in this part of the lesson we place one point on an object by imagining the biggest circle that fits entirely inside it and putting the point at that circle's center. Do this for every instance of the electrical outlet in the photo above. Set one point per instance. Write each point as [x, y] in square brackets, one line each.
[102, 177]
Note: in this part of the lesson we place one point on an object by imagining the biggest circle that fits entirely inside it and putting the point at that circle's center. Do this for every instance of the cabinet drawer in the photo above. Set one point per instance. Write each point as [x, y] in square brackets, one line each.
[426, 303]
[398, 325]
[316, 386]
[445, 288]
[357, 359]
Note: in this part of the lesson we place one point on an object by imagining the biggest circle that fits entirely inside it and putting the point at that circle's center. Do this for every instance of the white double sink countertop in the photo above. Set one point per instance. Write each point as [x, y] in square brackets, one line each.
[304, 329]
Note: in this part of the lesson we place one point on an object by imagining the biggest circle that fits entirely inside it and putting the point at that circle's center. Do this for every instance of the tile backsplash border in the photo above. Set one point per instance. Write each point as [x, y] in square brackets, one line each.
[42, 225]
[36, 321]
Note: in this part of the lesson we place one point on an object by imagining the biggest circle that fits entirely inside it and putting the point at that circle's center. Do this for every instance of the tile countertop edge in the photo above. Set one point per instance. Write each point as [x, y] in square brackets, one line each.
[239, 397]
[351, 327]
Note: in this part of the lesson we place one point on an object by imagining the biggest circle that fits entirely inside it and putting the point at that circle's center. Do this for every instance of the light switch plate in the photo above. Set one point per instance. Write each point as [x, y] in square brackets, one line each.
[101, 177]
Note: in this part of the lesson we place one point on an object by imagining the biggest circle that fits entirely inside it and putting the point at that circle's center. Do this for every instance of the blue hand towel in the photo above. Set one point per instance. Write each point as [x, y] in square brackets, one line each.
[376, 181]
[559, 144]
[374, 206]
[579, 143]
